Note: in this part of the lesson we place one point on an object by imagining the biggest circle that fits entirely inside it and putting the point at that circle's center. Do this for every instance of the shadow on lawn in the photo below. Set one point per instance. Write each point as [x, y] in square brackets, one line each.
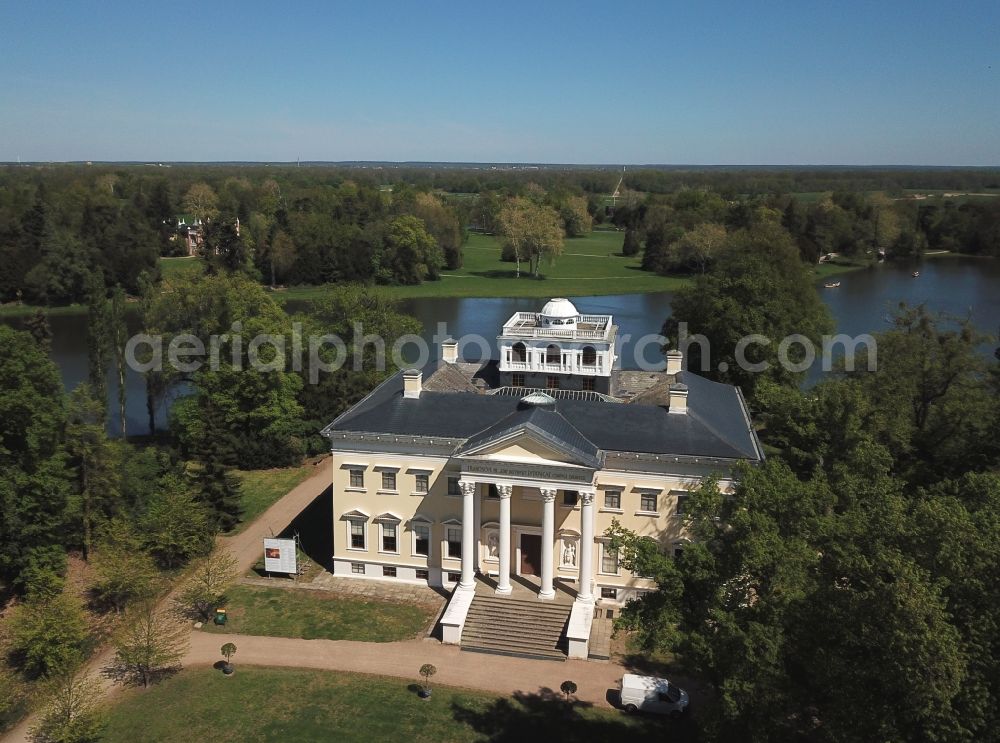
[545, 715]
[312, 526]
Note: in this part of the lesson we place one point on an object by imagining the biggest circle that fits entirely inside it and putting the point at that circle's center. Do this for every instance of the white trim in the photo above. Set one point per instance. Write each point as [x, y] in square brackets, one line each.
[600, 565]
[651, 514]
[354, 466]
[611, 510]
[355, 514]
[386, 468]
[381, 537]
[348, 523]
[355, 490]
[386, 492]
[445, 553]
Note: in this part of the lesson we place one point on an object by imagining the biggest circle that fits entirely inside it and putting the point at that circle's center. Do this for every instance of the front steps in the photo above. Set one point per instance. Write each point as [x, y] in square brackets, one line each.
[526, 628]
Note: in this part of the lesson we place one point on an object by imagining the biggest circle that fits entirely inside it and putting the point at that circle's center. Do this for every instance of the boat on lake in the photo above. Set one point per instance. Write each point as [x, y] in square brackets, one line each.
[916, 274]
[832, 285]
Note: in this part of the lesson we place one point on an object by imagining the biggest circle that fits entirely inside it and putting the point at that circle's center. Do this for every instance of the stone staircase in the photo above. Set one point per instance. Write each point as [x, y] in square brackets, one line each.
[526, 628]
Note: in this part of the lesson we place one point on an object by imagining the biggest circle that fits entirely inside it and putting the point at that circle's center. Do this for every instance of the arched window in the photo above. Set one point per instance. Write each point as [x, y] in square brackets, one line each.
[518, 352]
[553, 355]
[589, 356]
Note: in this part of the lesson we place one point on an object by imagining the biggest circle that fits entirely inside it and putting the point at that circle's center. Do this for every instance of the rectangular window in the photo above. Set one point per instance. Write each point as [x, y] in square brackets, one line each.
[678, 550]
[357, 478]
[588, 384]
[388, 537]
[422, 539]
[492, 493]
[422, 482]
[517, 380]
[388, 572]
[358, 535]
[647, 502]
[453, 486]
[570, 497]
[552, 382]
[609, 593]
[388, 481]
[358, 568]
[613, 499]
[609, 560]
[454, 577]
[455, 542]
[681, 506]
[423, 574]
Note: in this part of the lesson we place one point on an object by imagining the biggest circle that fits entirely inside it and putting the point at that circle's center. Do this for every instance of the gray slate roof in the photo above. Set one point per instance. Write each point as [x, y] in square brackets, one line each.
[716, 425]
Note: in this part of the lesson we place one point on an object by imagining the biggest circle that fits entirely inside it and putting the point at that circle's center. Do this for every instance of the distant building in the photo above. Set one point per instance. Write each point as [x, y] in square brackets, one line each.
[500, 479]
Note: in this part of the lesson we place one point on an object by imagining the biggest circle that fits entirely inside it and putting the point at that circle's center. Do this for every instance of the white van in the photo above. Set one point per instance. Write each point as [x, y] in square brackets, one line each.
[652, 694]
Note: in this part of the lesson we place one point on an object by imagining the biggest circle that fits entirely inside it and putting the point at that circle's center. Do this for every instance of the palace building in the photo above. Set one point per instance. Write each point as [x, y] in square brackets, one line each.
[497, 481]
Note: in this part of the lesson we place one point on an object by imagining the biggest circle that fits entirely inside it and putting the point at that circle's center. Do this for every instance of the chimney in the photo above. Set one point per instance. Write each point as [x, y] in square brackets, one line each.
[678, 398]
[413, 383]
[449, 351]
[675, 360]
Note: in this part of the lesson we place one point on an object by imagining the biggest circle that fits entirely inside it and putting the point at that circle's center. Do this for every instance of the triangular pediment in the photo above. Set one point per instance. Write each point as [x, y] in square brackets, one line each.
[529, 447]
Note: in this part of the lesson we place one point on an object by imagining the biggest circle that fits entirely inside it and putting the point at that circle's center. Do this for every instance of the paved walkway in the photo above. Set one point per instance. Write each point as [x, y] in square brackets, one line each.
[494, 673]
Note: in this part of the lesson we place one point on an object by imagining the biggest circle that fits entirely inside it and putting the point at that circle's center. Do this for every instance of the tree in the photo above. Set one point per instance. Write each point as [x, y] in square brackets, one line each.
[40, 328]
[201, 202]
[124, 570]
[175, 524]
[34, 478]
[443, 224]
[118, 336]
[758, 287]
[48, 634]
[149, 644]
[576, 220]
[72, 714]
[281, 254]
[206, 588]
[530, 231]
[98, 338]
[228, 651]
[699, 247]
[632, 244]
[93, 459]
[218, 488]
[223, 248]
[427, 670]
[568, 688]
[407, 254]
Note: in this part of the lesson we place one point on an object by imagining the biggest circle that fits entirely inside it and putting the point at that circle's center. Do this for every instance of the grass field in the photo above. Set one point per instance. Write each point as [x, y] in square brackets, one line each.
[589, 265]
[311, 615]
[272, 704]
[177, 268]
[262, 488]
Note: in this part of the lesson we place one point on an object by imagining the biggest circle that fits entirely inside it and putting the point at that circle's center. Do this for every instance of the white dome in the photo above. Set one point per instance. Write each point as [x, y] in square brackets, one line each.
[559, 307]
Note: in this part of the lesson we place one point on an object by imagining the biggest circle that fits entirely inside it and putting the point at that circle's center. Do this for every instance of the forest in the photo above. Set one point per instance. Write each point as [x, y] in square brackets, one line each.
[66, 228]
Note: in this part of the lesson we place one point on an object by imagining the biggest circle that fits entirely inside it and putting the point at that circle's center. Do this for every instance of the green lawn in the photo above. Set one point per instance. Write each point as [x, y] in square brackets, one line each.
[177, 268]
[262, 488]
[309, 614]
[292, 705]
[589, 265]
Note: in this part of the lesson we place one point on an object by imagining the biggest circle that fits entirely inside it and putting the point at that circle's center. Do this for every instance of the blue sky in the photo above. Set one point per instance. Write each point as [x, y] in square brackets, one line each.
[631, 82]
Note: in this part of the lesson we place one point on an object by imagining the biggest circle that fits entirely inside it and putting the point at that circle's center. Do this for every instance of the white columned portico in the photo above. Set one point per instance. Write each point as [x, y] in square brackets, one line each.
[468, 581]
[585, 591]
[548, 537]
[503, 549]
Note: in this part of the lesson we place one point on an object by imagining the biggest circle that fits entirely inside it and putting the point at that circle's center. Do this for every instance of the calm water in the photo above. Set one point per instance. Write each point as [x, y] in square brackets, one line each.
[959, 286]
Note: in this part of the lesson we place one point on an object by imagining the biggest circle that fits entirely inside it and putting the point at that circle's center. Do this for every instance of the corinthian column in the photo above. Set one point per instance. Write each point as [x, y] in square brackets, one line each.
[503, 579]
[468, 581]
[548, 536]
[585, 593]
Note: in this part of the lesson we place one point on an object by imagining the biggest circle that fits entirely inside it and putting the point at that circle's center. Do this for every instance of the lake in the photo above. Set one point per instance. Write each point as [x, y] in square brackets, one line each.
[956, 285]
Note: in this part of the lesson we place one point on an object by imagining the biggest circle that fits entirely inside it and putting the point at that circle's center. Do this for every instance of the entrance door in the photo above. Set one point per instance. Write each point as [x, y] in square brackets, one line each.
[531, 554]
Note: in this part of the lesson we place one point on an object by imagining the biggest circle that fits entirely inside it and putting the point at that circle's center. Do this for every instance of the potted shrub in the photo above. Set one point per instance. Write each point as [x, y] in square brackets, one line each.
[228, 651]
[569, 689]
[426, 670]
